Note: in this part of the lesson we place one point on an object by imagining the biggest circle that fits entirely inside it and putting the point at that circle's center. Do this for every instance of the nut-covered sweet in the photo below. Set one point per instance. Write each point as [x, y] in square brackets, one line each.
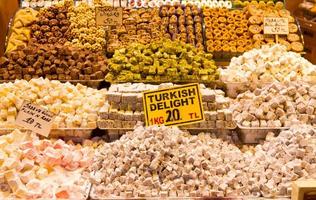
[162, 61]
[83, 30]
[51, 25]
[258, 12]
[183, 23]
[226, 30]
[139, 26]
[55, 62]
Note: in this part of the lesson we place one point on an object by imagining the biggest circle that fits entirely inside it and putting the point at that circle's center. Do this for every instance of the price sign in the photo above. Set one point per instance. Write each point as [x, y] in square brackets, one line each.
[35, 118]
[173, 106]
[276, 25]
[109, 16]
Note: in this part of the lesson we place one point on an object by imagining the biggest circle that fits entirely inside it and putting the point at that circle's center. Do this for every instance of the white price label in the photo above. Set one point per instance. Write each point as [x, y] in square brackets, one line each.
[276, 25]
[35, 118]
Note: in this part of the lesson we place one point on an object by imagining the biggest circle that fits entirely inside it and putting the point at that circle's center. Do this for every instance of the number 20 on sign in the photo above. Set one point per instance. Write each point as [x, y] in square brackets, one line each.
[179, 105]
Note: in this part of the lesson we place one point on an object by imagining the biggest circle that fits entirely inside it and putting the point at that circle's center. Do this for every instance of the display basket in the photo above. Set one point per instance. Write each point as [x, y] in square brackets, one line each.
[253, 135]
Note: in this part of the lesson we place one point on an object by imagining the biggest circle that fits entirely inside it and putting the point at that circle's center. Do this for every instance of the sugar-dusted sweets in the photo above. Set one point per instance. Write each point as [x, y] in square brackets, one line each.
[268, 64]
[166, 162]
[75, 106]
[276, 105]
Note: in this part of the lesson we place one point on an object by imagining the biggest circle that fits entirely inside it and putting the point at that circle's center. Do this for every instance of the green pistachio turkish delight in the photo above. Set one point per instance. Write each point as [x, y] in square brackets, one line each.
[161, 61]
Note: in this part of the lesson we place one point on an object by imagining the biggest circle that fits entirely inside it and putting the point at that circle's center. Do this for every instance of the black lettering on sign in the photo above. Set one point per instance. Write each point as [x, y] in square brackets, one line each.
[173, 115]
[109, 16]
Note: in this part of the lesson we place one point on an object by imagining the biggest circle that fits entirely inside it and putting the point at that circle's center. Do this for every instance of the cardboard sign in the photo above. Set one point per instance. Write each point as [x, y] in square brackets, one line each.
[276, 25]
[109, 16]
[173, 106]
[35, 118]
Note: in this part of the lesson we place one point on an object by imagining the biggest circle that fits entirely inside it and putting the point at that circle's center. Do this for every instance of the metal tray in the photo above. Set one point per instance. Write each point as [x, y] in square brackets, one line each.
[82, 133]
[253, 135]
[94, 196]
[102, 126]
[97, 84]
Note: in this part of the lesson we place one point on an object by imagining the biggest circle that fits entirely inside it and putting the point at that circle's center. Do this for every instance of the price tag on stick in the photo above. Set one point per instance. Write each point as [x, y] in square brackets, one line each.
[276, 25]
[173, 106]
[109, 16]
[35, 118]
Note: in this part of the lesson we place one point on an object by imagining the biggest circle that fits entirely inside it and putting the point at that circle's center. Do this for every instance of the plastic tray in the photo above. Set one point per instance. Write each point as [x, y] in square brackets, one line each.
[253, 135]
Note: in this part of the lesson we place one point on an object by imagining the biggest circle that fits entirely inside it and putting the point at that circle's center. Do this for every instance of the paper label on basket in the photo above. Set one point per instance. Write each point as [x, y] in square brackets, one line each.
[109, 16]
[178, 105]
[276, 25]
[35, 118]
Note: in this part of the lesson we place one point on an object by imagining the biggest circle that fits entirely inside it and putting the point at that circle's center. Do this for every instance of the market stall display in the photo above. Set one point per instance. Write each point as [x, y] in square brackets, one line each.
[124, 107]
[20, 33]
[161, 61]
[74, 106]
[33, 168]
[53, 61]
[160, 45]
[162, 162]
[276, 105]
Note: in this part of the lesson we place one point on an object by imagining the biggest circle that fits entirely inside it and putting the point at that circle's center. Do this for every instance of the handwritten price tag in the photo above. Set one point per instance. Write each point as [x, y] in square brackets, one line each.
[35, 118]
[173, 106]
[109, 16]
[276, 25]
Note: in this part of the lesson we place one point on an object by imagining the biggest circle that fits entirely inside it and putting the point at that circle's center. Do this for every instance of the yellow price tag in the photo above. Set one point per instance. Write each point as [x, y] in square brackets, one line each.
[178, 105]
